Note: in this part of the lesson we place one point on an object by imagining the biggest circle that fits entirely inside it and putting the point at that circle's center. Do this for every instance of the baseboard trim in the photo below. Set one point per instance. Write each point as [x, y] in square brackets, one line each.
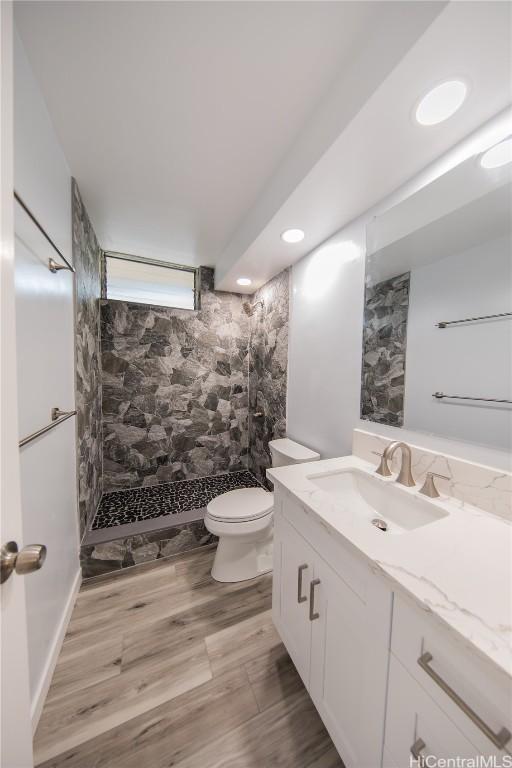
[42, 691]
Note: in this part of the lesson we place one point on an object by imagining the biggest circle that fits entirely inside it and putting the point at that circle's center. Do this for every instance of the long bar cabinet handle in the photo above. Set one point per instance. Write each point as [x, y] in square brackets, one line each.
[312, 614]
[499, 739]
[300, 597]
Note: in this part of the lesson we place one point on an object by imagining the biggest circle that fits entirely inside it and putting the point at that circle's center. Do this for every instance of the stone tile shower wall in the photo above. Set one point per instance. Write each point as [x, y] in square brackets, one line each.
[175, 399]
[384, 345]
[268, 371]
[87, 263]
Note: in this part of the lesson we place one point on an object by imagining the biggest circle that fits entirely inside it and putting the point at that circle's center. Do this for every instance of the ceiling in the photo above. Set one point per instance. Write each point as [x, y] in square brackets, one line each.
[383, 147]
[198, 131]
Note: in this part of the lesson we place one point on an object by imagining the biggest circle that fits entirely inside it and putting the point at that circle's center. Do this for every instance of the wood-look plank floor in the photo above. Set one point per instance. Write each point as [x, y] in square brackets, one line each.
[165, 667]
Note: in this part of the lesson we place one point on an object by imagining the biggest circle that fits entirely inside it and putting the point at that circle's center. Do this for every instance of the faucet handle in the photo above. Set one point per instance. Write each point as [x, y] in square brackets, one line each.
[429, 487]
[383, 468]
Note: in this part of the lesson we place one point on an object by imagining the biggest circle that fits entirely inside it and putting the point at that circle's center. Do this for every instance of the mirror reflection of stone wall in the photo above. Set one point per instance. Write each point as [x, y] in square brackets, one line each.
[384, 345]
[449, 248]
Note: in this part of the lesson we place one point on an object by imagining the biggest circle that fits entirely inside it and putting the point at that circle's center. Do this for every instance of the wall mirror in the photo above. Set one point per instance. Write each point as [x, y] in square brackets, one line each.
[437, 329]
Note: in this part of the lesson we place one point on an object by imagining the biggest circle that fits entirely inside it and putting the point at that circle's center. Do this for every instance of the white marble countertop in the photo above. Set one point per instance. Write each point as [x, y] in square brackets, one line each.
[459, 567]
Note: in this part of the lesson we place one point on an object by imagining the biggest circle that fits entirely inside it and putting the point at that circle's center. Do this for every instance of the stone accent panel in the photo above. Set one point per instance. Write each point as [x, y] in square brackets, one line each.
[268, 371]
[143, 548]
[87, 262]
[384, 345]
[175, 399]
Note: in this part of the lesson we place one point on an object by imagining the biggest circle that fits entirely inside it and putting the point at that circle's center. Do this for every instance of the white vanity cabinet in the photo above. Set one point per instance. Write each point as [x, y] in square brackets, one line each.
[338, 638]
[442, 695]
[388, 679]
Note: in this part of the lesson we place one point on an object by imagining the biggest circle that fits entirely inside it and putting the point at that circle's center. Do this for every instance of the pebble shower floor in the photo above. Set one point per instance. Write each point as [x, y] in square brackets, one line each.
[136, 504]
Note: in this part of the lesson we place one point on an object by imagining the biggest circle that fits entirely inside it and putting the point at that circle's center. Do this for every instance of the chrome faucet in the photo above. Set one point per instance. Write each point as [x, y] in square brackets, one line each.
[405, 475]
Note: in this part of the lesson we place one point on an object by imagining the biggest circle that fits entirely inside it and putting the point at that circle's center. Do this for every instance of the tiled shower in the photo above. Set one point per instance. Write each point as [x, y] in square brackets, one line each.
[175, 407]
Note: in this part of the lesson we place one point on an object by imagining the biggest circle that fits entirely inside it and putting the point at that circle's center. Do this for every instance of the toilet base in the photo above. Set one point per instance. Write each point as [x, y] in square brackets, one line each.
[237, 559]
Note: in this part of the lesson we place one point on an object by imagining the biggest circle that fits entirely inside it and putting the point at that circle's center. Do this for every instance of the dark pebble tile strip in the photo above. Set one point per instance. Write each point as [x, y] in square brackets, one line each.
[136, 504]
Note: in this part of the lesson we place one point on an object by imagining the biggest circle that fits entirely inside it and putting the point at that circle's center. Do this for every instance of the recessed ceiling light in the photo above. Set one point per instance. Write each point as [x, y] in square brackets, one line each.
[441, 102]
[244, 281]
[500, 154]
[292, 235]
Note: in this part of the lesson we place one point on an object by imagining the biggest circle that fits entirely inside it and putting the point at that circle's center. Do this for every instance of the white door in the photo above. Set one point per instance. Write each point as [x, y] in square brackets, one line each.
[349, 661]
[16, 733]
[45, 366]
[291, 610]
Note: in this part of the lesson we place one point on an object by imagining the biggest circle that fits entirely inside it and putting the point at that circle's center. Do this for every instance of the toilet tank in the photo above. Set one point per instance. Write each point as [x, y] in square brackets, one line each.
[285, 451]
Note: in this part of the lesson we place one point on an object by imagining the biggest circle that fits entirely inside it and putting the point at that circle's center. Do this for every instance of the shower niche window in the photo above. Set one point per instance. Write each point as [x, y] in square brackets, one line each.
[145, 281]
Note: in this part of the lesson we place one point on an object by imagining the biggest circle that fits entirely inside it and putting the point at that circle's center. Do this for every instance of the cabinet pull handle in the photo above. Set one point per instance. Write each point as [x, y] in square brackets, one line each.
[499, 739]
[312, 614]
[300, 597]
[416, 750]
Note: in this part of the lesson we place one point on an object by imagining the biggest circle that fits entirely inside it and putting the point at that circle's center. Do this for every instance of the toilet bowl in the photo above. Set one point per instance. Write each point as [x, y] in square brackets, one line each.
[243, 521]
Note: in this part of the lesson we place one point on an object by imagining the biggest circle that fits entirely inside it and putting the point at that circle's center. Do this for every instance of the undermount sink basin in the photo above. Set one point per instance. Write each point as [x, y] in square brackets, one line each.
[372, 499]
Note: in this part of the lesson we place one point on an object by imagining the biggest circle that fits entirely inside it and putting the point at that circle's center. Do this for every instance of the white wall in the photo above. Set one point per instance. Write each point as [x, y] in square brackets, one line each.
[324, 354]
[326, 326]
[469, 359]
[45, 337]
[41, 174]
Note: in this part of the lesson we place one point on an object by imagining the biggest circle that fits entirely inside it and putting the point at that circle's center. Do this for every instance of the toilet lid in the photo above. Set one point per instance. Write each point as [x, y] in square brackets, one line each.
[241, 505]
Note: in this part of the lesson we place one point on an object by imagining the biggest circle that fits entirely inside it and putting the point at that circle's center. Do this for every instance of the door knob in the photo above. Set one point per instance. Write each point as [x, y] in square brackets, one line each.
[30, 559]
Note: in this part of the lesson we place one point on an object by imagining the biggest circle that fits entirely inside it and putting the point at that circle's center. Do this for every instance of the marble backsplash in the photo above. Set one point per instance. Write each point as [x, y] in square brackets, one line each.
[87, 263]
[384, 345]
[470, 483]
[268, 371]
[175, 389]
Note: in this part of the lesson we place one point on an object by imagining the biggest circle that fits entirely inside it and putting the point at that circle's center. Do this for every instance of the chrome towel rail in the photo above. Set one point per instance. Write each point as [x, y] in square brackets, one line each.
[53, 266]
[58, 417]
[445, 323]
[440, 395]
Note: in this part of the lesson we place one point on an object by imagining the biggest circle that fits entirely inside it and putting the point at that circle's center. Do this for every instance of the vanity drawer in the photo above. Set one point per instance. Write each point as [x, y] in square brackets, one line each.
[414, 722]
[471, 691]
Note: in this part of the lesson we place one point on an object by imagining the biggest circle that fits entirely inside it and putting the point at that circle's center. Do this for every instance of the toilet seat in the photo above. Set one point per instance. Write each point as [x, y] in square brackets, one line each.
[241, 505]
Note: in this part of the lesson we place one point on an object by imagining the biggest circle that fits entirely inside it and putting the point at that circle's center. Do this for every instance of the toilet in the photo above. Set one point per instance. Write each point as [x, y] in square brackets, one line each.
[243, 521]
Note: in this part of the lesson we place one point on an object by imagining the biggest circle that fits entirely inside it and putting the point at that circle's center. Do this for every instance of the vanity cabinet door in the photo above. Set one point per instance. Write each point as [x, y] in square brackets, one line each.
[293, 572]
[349, 663]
